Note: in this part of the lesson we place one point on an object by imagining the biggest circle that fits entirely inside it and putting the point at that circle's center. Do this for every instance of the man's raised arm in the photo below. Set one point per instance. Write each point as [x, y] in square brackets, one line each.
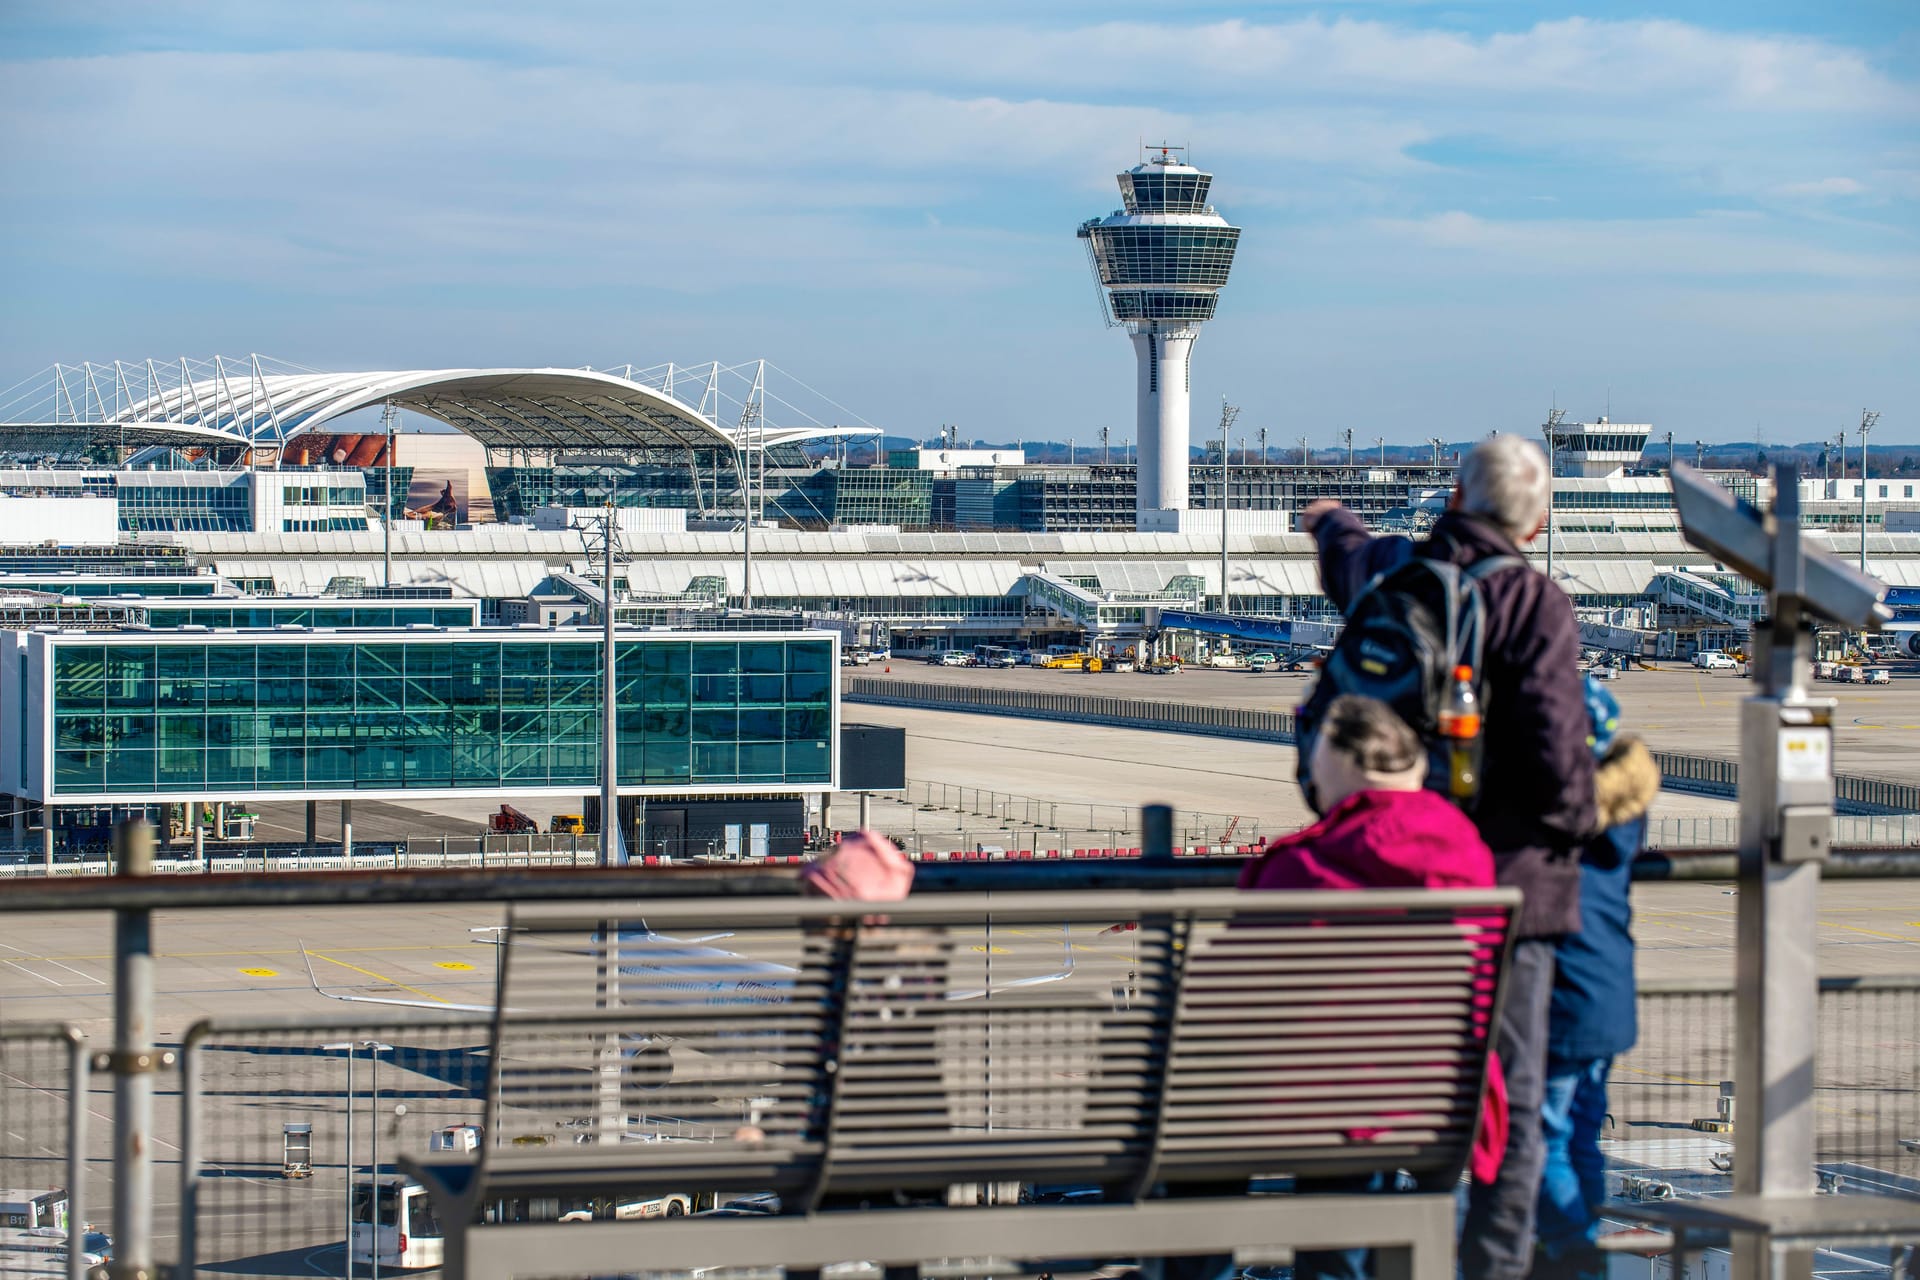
[1349, 555]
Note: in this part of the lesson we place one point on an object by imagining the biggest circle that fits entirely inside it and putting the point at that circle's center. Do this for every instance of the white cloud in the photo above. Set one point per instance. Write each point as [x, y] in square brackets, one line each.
[651, 174]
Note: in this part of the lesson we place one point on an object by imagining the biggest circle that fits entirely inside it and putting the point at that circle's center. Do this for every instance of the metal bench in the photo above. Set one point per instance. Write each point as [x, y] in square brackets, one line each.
[1139, 1057]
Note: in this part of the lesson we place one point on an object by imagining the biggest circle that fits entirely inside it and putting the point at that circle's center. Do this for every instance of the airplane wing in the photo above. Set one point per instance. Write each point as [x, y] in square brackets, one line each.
[444, 1006]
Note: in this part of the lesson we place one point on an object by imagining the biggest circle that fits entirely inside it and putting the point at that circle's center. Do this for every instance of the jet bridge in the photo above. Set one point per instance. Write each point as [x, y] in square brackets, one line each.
[1294, 633]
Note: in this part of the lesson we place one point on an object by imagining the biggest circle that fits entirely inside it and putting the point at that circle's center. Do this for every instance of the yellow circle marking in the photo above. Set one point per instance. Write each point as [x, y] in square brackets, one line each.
[452, 964]
[261, 973]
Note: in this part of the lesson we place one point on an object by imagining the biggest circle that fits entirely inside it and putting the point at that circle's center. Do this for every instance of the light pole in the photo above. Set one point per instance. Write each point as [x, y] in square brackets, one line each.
[386, 517]
[1228, 412]
[351, 1048]
[1867, 418]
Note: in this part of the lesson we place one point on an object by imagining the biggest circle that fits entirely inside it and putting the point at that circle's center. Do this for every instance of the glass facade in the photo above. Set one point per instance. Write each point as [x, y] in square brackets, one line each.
[436, 713]
[180, 508]
[677, 479]
[1152, 255]
[267, 613]
[1157, 191]
[1156, 304]
[94, 587]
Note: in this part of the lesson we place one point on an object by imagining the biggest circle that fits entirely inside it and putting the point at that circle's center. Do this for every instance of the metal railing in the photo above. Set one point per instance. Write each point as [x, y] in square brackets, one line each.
[1071, 816]
[44, 1083]
[368, 1090]
[1866, 1071]
[233, 1206]
[227, 1200]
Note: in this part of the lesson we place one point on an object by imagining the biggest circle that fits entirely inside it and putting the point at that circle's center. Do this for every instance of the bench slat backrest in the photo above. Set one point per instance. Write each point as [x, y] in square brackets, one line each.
[1111, 1038]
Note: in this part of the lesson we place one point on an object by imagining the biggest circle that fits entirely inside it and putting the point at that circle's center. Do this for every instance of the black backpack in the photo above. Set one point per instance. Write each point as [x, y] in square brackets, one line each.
[1405, 633]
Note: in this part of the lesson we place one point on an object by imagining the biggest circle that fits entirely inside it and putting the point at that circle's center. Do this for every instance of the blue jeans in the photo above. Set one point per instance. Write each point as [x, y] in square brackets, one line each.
[1574, 1182]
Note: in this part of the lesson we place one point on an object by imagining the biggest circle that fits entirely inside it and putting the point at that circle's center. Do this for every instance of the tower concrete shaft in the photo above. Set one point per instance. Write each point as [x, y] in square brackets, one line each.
[1161, 262]
[1161, 354]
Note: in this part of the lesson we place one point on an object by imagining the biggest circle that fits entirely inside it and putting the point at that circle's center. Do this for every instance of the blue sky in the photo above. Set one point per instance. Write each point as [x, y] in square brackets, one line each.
[1453, 212]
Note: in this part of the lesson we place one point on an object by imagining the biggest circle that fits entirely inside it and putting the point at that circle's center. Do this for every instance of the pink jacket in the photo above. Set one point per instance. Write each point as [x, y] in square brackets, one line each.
[1378, 840]
[1395, 840]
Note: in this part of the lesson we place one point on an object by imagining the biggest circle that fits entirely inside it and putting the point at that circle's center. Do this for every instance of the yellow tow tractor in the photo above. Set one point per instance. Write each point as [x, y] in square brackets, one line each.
[1065, 662]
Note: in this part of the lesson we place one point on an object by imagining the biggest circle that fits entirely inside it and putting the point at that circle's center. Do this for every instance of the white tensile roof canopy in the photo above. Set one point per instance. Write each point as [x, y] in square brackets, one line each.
[538, 410]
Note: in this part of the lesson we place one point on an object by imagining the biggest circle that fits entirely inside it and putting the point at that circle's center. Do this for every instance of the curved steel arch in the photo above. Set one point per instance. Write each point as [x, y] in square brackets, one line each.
[545, 409]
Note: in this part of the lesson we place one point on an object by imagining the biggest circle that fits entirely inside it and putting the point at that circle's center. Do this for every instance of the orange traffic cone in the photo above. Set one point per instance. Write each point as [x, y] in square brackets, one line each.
[887, 671]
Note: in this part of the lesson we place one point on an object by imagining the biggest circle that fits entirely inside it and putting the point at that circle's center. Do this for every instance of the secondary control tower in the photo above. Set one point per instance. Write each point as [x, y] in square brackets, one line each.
[1161, 261]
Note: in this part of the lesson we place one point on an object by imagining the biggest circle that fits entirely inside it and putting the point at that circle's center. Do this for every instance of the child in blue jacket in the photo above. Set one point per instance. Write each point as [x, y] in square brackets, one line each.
[1592, 1019]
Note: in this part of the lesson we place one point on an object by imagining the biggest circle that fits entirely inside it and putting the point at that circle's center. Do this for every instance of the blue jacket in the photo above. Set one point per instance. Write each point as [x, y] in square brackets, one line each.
[1593, 1013]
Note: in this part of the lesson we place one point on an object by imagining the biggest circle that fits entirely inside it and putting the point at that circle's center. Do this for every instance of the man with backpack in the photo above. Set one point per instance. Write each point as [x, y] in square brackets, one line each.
[1478, 652]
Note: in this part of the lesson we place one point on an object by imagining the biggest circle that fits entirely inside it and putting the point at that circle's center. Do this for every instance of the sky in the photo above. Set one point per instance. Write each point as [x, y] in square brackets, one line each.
[1455, 215]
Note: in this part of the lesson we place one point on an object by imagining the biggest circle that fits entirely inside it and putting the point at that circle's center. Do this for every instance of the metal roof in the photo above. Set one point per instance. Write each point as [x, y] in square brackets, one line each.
[546, 409]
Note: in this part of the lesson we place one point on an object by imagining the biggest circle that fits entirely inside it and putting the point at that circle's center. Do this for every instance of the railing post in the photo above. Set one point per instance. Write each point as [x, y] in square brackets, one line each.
[1156, 835]
[133, 1063]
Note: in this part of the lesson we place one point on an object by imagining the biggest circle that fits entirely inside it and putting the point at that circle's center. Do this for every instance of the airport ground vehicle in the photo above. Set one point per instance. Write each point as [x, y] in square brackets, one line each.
[993, 655]
[955, 658]
[1065, 661]
[42, 1251]
[1876, 675]
[1261, 661]
[1714, 660]
[567, 824]
[26, 1209]
[510, 821]
[408, 1233]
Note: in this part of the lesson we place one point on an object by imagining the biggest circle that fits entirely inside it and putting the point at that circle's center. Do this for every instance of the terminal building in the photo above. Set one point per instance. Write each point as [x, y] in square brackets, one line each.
[715, 724]
[197, 602]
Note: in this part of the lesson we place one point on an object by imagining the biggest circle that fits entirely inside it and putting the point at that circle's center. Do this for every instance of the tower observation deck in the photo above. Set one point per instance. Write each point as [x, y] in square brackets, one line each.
[1161, 261]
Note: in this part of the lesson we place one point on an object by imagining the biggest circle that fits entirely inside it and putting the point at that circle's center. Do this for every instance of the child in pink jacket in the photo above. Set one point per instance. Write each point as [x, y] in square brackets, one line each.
[1382, 829]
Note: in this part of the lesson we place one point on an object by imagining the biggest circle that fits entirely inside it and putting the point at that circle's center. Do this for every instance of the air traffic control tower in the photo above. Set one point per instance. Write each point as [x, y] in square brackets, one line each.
[1162, 260]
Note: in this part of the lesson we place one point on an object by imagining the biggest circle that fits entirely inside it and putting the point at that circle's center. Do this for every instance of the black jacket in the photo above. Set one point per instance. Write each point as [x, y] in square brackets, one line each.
[1536, 802]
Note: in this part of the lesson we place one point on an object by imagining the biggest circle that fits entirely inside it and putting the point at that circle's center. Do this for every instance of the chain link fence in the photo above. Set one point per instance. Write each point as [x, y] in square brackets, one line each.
[1866, 1071]
[44, 1108]
[277, 1115]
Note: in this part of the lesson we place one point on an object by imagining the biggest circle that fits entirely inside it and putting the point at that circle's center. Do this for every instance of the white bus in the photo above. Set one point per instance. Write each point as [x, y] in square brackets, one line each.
[28, 1208]
[408, 1232]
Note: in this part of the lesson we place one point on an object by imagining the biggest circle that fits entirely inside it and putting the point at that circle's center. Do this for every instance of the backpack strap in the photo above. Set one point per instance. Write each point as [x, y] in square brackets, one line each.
[1480, 569]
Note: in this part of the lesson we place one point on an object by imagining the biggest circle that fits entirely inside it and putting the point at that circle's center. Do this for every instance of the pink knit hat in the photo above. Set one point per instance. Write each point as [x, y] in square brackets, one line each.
[864, 867]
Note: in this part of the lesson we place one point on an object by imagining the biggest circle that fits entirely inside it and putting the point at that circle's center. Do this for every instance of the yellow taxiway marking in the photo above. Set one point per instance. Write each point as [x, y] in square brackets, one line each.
[379, 977]
[452, 964]
[261, 973]
[998, 951]
[1871, 933]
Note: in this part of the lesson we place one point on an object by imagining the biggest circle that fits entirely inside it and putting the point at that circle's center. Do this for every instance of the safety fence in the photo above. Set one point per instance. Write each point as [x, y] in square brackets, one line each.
[279, 1120]
[1671, 1095]
[1703, 775]
[1723, 832]
[262, 1125]
[1071, 815]
[45, 1142]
